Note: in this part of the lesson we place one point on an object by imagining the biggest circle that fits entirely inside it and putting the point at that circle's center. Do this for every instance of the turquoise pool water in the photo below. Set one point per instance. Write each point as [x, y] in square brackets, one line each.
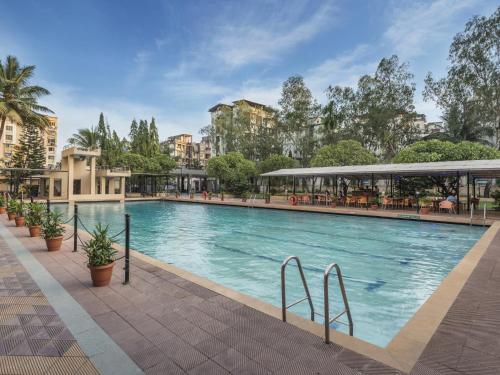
[390, 267]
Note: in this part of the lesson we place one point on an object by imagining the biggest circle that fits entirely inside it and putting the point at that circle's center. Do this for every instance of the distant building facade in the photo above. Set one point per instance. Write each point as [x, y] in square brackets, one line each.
[224, 116]
[13, 133]
[188, 153]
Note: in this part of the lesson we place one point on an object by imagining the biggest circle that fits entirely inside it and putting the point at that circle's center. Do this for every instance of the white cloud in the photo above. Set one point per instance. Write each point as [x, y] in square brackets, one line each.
[419, 26]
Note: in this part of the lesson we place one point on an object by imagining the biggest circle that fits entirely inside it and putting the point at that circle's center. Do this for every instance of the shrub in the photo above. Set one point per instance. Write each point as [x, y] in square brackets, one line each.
[99, 248]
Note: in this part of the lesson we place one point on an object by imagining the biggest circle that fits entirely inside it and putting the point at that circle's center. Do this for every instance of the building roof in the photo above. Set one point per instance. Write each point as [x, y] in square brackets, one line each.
[479, 168]
[215, 107]
[249, 102]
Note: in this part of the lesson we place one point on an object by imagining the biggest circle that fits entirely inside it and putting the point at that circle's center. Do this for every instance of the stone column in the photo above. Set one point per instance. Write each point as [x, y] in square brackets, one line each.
[92, 175]
[51, 188]
[103, 185]
[70, 177]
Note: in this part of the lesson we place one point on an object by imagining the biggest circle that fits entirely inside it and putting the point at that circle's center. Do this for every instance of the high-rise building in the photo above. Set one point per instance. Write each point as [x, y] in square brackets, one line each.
[13, 133]
[188, 153]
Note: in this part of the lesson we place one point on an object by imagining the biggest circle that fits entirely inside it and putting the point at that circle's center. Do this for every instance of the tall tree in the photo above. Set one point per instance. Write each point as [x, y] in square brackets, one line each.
[18, 99]
[85, 137]
[142, 138]
[470, 93]
[30, 152]
[134, 128]
[102, 132]
[297, 109]
[154, 139]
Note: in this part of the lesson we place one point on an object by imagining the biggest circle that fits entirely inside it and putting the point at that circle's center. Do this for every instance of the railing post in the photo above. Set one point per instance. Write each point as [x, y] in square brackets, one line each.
[48, 206]
[75, 228]
[127, 249]
[31, 199]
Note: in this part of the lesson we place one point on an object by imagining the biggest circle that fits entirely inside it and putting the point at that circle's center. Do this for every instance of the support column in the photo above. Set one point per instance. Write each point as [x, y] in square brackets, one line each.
[458, 193]
[122, 186]
[313, 183]
[103, 185]
[468, 191]
[92, 176]
[70, 177]
[51, 188]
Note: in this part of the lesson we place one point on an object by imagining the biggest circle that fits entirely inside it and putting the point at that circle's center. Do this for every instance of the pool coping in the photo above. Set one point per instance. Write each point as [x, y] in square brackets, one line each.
[404, 350]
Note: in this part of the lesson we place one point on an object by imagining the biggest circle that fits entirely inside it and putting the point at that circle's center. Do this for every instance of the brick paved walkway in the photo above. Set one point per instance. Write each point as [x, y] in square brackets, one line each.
[169, 325]
[33, 340]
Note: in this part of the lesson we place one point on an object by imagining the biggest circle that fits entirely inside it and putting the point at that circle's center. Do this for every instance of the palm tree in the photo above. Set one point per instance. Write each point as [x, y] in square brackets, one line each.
[18, 100]
[86, 138]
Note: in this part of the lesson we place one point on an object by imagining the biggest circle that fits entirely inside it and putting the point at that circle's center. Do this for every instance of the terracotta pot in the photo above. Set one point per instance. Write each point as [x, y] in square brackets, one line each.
[374, 207]
[11, 215]
[34, 230]
[209, 198]
[101, 275]
[54, 244]
[424, 210]
[20, 221]
[268, 200]
[243, 199]
[2, 210]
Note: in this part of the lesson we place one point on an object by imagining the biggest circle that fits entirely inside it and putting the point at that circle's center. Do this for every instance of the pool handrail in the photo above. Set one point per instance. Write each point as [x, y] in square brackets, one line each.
[347, 310]
[284, 306]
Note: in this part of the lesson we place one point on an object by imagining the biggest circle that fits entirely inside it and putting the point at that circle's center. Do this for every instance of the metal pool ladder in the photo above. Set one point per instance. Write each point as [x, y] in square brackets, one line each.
[346, 311]
[284, 306]
[328, 321]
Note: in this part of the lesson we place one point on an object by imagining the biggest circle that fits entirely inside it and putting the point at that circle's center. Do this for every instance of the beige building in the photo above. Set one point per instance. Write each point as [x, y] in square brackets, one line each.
[223, 115]
[79, 179]
[13, 133]
[188, 153]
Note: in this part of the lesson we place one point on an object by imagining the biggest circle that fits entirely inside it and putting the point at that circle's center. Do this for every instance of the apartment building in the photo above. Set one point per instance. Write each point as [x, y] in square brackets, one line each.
[188, 153]
[223, 116]
[13, 133]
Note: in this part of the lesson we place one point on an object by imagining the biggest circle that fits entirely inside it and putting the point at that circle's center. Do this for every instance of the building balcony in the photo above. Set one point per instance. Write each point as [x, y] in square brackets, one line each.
[80, 151]
[103, 171]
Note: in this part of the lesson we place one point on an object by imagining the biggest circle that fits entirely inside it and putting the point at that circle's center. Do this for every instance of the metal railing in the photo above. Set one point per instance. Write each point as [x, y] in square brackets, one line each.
[284, 306]
[346, 311]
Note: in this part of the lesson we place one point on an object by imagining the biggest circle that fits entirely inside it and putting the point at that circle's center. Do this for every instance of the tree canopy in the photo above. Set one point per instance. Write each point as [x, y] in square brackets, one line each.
[346, 152]
[435, 150]
[275, 162]
[233, 171]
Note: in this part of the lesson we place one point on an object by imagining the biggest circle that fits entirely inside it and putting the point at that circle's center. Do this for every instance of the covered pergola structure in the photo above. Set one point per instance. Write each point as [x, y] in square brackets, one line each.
[471, 170]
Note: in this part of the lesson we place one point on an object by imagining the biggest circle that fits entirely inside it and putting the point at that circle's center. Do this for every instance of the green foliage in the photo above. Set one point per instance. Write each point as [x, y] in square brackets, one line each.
[380, 113]
[2, 200]
[99, 248]
[34, 214]
[19, 207]
[156, 164]
[52, 225]
[11, 206]
[343, 153]
[470, 93]
[275, 162]
[18, 99]
[85, 138]
[435, 150]
[30, 152]
[233, 170]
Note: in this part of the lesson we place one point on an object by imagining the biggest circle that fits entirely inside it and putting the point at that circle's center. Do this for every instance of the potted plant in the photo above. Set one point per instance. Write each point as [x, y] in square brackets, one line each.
[424, 206]
[222, 195]
[20, 208]
[210, 195]
[101, 256]
[2, 204]
[34, 218]
[374, 203]
[11, 209]
[244, 196]
[334, 200]
[267, 198]
[191, 195]
[52, 231]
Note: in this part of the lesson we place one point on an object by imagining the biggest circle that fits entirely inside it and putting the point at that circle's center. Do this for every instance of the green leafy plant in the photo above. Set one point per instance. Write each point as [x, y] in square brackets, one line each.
[2, 201]
[19, 208]
[99, 248]
[35, 214]
[52, 226]
[11, 206]
[245, 195]
[424, 202]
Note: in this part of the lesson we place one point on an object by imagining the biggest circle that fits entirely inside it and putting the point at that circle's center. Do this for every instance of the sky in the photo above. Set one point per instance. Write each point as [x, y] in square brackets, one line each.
[175, 59]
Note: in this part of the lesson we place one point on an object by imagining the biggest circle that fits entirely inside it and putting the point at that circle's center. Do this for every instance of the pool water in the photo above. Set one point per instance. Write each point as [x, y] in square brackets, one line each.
[390, 267]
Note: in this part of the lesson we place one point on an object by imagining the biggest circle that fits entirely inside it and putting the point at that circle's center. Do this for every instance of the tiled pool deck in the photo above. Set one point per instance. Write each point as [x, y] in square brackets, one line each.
[169, 325]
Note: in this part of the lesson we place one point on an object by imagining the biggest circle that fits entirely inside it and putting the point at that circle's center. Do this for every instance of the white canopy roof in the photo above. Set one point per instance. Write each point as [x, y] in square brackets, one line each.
[478, 168]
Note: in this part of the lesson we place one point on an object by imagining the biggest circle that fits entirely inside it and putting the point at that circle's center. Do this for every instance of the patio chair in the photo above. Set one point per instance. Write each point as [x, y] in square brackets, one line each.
[349, 201]
[447, 205]
[363, 200]
[387, 202]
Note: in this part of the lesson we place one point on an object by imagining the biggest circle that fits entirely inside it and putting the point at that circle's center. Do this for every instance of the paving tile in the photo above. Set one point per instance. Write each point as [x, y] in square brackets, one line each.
[231, 359]
[182, 353]
[165, 367]
[211, 347]
[208, 368]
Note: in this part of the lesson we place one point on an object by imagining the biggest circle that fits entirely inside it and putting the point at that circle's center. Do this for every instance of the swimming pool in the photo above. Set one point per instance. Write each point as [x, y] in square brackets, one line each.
[390, 267]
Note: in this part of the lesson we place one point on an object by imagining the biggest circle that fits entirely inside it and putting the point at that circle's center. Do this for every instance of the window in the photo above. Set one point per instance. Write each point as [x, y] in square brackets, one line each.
[9, 128]
[8, 137]
[77, 187]
[117, 185]
[51, 157]
[57, 188]
[51, 149]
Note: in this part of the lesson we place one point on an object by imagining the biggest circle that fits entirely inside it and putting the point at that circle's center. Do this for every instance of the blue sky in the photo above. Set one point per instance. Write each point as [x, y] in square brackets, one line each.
[175, 59]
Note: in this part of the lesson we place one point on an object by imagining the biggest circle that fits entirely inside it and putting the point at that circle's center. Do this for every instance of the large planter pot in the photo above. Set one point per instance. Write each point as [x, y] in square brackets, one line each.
[374, 207]
[243, 199]
[54, 244]
[2, 210]
[20, 221]
[34, 230]
[11, 215]
[424, 210]
[101, 275]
